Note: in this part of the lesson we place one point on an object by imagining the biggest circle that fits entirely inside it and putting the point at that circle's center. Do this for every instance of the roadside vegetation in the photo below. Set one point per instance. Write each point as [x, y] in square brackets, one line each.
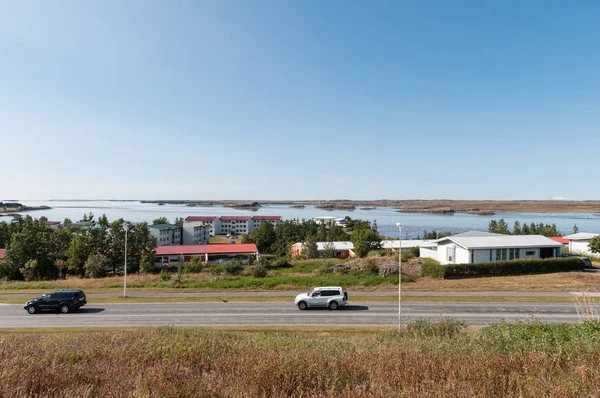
[424, 359]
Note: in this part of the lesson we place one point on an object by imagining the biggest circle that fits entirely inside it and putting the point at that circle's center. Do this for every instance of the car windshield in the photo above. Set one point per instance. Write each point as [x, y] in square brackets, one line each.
[311, 292]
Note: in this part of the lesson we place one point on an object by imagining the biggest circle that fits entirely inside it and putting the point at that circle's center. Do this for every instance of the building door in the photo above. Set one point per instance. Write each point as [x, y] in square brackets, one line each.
[546, 252]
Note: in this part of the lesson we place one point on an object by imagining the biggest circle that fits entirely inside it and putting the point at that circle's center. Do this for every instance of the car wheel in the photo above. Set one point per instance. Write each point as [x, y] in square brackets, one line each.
[64, 309]
[31, 309]
[302, 305]
[333, 305]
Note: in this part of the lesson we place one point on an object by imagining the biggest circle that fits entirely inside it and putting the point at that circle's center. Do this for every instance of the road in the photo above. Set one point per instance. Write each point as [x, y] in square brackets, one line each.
[284, 314]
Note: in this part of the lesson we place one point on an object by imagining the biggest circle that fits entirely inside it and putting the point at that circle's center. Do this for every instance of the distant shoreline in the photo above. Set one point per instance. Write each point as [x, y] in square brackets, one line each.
[475, 207]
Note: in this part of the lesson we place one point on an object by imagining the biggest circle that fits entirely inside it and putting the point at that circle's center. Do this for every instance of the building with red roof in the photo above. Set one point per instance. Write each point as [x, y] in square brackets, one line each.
[214, 253]
[560, 239]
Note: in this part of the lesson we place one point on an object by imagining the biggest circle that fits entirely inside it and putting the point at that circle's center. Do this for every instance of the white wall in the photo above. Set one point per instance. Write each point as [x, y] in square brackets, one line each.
[463, 256]
[191, 237]
[428, 253]
[580, 246]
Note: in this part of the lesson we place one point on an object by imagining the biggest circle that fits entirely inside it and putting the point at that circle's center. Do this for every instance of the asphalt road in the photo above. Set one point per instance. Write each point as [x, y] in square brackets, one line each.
[284, 314]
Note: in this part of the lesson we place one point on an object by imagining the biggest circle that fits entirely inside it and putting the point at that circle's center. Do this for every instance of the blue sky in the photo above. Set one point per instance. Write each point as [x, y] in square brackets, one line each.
[300, 100]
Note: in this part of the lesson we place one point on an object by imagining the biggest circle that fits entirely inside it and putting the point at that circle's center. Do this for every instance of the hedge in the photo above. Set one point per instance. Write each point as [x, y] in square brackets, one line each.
[496, 268]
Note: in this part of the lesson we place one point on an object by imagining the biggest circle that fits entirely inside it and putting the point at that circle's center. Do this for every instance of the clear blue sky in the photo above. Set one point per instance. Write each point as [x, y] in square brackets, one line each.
[300, 99]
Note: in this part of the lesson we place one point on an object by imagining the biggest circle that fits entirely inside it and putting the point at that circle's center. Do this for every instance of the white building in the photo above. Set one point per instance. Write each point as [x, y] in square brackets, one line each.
[166, 234]
[579, 243]
[210, 221]
[196, 232]
[406, 244]
[235, 225]
[479, 247]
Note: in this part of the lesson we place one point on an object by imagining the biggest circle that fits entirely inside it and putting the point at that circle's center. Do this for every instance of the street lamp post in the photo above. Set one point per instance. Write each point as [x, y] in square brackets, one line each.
[399, 225]
[125, 279]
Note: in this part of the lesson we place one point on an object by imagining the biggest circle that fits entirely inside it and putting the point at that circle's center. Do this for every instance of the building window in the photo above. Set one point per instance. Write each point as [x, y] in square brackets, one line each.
[530, 253]
[517, 253]
[511, 254]
[450, 254]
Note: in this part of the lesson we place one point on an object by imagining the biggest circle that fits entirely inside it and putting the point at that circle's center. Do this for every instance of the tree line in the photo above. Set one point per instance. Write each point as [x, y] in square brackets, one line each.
[501, 227]
[278, 239]
[35, 252]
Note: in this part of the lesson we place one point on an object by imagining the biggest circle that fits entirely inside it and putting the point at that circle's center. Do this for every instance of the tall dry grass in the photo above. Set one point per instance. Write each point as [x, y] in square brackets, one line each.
[172, 362]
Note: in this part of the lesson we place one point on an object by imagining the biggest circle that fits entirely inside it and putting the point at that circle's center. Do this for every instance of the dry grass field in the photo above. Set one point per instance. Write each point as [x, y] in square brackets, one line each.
[431, 360]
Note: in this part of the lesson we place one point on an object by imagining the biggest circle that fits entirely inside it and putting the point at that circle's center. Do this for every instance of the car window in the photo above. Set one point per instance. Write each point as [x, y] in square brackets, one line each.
[50, 296]
[80, 294]
[316, 294]
[64, 295]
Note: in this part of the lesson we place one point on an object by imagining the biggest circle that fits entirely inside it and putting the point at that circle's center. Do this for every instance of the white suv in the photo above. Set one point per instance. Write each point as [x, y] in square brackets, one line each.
[328, 296]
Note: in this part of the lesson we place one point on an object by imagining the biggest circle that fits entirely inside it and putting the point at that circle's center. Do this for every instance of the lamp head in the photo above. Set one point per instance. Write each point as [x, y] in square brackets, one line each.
[398, 224]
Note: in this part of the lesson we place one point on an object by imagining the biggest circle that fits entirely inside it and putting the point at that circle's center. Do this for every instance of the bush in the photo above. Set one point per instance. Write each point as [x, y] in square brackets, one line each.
[388, 269]
[194, 266]
[95, 266]
[371, 267]
[215, 269]
[165, 276]
[445, 328]
[279, 264]
[432, 268]
[259, 271]
[233, 268]
[514, 267]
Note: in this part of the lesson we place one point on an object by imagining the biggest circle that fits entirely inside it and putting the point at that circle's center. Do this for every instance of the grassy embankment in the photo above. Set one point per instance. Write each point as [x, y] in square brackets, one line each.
[303, 275]
[436, 360]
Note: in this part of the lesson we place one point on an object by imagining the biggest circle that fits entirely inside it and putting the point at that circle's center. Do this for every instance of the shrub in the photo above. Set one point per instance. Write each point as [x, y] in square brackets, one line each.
[193, 266]
[371, 267]
[279, 264]
[95, 266]
[165, 276]
[444, 328]
[233, 267]
[259, 271]
[496, 268]
[432, 268]
[215, 269]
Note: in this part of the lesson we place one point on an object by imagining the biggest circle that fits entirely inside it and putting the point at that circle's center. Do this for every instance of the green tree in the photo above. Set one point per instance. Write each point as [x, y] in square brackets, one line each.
[365, 238]
[67, 222]
[525, 229]
[80, 248]
[594, 244]
[329, 250]
[147, 262]
[517, 228]
[179, 221]
[503, 227]
[160, 220]
[310, 248]
[95, 266]
[30, 270]
[259, 271]
[533, 230]
[264, 237]
[22, 248]
[493, 226]
[61, 267]
[575, 229]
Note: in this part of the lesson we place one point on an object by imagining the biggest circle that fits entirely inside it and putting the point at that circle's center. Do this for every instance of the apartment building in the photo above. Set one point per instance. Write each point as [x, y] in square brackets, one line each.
[210, 221]
[235, 225]
[166, 234]
[196, 232]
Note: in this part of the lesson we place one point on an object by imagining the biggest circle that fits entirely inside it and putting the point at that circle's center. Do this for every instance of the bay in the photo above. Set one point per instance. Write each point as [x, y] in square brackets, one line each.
[413, 224]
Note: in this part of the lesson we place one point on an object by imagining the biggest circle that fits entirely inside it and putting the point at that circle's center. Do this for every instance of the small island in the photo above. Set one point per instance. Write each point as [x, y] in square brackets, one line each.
[15, 207]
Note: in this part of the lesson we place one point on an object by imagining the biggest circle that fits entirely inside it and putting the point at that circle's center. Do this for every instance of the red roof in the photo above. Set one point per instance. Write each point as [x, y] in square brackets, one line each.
[201, 218]
[260, 218]
[2, 253]
[559, 239]
[235, 218]
[210, 249]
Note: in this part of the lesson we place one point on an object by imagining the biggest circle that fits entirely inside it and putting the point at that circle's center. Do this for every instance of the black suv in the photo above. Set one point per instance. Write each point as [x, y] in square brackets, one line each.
[63, 301]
